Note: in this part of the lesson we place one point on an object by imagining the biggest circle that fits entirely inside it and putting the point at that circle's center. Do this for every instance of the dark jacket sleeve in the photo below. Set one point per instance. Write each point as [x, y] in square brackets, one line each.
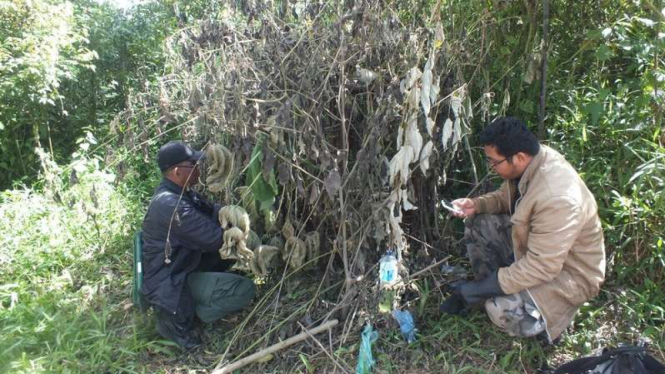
[196, 228]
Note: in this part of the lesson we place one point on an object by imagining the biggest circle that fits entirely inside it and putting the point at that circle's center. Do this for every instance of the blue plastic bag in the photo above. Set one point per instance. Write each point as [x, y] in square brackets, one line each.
[406, 324]
[365, 359]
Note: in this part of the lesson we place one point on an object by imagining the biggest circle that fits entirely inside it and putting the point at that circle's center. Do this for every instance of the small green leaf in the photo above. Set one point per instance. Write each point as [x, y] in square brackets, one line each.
[604, 53]
[527, 106]
[305, 361]
[595, 109]
[264, 189]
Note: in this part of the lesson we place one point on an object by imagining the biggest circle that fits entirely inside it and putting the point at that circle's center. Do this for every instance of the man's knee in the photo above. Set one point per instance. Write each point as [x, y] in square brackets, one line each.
[508, 313]
[246, 290]
[488, 244]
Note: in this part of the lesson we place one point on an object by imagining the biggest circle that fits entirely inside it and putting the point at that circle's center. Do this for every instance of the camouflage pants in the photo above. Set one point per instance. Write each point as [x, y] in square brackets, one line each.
[489, 247]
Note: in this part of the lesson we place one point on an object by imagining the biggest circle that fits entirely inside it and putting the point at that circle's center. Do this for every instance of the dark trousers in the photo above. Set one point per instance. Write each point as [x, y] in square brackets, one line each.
[210, 294]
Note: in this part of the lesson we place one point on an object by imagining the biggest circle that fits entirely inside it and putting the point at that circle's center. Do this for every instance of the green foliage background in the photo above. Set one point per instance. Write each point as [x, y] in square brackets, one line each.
[69, 71]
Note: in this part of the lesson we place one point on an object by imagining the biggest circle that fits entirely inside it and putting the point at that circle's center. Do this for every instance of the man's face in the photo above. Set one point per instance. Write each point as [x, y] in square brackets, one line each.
[188, 173]
[506, 167]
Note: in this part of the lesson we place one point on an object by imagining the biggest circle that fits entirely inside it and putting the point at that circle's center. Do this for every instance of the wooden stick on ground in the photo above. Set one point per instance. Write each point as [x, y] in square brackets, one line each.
[275, 347]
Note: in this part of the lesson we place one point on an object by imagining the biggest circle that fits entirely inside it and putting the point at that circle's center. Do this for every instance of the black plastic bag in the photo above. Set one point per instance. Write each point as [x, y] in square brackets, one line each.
[624, 360]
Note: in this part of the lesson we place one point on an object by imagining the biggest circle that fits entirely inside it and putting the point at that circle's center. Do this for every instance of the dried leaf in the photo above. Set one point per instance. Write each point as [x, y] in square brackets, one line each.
[457, 133]
[456, 104]
[413, 138]
[235, 216]
[366, 76]
[425, 155]
[384, 170]
[411, 78]
[406, 204]
[395, 229]
[300, 187]
[447, 133]
[434, 90]
[426, 88]
[506, 99]
[456, 100]
[287, 229]
[284, 173]
[219, 161]
[439, 37]
[400, 136]
[399, 166]
[325, 159]
[313, 194]
[302, 148]
[413, 98]
[361, 156]
[429, 124]
[333, 183]
[468, 108]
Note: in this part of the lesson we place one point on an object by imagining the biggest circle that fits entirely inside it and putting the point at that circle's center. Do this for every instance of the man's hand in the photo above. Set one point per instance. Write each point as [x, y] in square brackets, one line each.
[466, 206]
[454, 304]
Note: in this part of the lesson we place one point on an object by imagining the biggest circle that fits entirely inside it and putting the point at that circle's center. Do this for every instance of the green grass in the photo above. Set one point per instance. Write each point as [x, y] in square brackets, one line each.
[65, 277]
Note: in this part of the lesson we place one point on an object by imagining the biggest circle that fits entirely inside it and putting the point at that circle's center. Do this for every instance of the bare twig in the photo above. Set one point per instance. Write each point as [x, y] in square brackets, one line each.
[323, 349]
[416, 274]
[275, 347]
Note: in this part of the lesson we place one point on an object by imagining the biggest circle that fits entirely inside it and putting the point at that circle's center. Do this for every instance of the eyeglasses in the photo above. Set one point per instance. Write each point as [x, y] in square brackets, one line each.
[494, 163]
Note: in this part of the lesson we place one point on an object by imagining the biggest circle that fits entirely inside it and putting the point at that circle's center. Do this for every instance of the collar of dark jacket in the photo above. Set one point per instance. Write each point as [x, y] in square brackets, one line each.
[534, 165]
[171, 186]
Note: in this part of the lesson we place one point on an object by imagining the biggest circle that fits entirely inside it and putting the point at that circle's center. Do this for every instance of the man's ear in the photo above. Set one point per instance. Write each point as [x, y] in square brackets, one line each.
[520, 157]
[170, 173]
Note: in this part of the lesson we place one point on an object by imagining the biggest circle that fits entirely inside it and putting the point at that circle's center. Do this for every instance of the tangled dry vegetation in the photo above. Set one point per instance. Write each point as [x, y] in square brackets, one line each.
[343, 129]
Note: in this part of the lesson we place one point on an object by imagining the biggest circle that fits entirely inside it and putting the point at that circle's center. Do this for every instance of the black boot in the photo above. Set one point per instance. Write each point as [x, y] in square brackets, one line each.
[544, 341]
[177, 328]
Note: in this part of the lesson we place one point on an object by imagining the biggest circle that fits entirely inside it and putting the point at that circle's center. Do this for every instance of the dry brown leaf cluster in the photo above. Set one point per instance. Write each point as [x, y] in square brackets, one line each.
[362, 115]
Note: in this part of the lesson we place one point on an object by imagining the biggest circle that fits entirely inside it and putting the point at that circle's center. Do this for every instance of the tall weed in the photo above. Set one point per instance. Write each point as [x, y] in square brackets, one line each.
[65, 272]
[610, 128]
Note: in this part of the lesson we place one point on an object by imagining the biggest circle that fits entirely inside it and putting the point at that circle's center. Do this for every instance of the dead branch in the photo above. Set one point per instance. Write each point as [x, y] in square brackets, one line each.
[274, 348]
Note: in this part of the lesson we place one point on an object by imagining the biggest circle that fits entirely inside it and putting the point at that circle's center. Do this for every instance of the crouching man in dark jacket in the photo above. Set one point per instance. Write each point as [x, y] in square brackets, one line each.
[183, 273]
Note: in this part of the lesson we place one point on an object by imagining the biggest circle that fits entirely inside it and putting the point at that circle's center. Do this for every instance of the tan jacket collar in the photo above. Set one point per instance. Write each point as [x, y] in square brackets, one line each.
[534, 165]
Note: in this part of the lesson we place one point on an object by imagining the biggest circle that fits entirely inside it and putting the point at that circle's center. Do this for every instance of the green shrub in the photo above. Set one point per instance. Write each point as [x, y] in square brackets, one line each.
[65, 272]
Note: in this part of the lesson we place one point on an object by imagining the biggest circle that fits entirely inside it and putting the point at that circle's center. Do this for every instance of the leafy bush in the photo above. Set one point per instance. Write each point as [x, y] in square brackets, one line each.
[65, 271]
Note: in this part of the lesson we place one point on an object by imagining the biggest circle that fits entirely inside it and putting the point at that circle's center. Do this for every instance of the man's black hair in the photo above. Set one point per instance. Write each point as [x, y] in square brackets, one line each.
[509, 135]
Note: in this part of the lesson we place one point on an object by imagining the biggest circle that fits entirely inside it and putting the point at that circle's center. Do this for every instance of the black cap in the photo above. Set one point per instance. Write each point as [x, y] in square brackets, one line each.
[175, 152]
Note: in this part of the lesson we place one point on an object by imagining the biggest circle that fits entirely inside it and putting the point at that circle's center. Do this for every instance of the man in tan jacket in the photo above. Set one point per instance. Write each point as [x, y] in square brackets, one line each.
[536, 244]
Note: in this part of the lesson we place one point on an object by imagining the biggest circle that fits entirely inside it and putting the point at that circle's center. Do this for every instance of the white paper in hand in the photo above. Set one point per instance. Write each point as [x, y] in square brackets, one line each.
[450, 207]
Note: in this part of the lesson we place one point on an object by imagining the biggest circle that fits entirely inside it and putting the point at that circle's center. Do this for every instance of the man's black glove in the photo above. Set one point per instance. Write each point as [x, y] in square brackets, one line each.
[466, 294]
[454, 305]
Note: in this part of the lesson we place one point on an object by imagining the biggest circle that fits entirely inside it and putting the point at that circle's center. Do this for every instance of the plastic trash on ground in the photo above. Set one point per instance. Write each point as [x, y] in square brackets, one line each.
[388, 270]
[406, 324]
[365, 359]
[389, 279]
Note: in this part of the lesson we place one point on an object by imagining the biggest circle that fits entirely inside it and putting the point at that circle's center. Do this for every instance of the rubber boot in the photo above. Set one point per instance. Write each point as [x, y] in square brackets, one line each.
[177, 328]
